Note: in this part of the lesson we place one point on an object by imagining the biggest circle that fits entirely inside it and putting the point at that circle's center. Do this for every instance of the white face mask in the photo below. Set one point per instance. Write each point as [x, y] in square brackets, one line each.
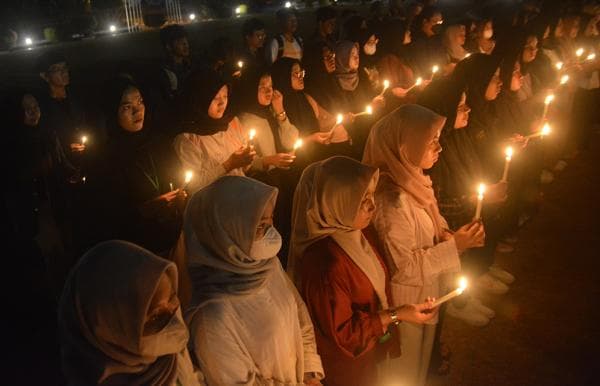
[488, 33]
[170, 340]
[268, 246]
[370, 49]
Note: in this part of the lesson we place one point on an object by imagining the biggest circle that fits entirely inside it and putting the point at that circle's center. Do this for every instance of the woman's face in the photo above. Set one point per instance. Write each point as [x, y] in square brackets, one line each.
[494, 86]
[370, 47]
[31, 110]
[530, 49]
[265, 222]
[131, 110]
[163, 306]
[265, 90]
[462, 113]
[488, 30]
[516, 81]
[58, 75]
[367, 207]
[328, 60]
[354, 61]
[217, 107]
[461, 36]
[432, 152]
[297, 77]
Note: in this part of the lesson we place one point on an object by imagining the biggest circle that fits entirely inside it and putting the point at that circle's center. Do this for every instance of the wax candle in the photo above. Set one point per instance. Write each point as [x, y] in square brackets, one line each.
[338, 120]
[564, 79]
[368, 111]
[251, 135]
[418, 82]
[545, 131]
[579, 52]
[549, 98]
[509, 153]
[171, 186]
[462, 286]
[188, 177]
[434, 70]
[297, 145]
[386, 84]
[591, 57]
[83, 140]
[480, 192]
[559, 66]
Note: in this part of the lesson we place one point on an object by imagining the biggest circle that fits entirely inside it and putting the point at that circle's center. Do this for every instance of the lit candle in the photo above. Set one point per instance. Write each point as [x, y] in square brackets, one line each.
[579, 52]
[83, 179]
[171, 186]
[509, 153]
[339, 119]
[591, 57]
[386, 84]
[462, 286]
[418, 82]
[188, 177]
[467, 55]
[297, 145]
[564, 79]
[83, 140]
[559, 66]
[480, 192]
[547, 101]
[434, 70]
[545, 131]
[368, 111]
[240, 64]
[251, 135]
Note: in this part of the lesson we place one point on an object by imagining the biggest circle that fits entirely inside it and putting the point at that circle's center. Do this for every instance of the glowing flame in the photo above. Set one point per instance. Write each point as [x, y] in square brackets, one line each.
[288, 4]
[559, 66]
[591, 57]
[83, 140]
[435, 69]
[579, 52]
[480, 191]
[546, 129]
[188, 176]
[252, 134]
[298, 144]
[509, 153]
[419, 81]
[240, 64]
[549, 99]
[386, 84]
[339, 119]
[564, 79]
[369, 109]
[462, 284]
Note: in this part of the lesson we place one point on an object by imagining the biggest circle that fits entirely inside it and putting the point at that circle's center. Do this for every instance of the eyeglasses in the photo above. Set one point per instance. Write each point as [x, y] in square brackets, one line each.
[299, 74]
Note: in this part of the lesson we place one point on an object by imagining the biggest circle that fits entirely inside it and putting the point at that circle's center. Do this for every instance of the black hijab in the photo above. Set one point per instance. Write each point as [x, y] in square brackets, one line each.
[392, 38]
[297, 107]
[195, 99]
[320, 84]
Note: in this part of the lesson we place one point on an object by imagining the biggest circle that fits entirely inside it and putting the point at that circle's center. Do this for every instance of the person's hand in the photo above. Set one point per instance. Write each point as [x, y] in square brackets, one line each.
[497, 193]
[348, 118]
[169, 197]
[471, 235]
[417, 313]
[240, 158]
[378, 102]
[178, 200]
[518, 140]
[279, 160]
[399, 92]
[77, 147]
[322, 137]
[277, 102]
[424, 84]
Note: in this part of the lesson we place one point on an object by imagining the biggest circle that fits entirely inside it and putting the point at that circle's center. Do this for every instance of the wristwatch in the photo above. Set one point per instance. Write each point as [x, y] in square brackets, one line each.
[281, 115]
[394, 316]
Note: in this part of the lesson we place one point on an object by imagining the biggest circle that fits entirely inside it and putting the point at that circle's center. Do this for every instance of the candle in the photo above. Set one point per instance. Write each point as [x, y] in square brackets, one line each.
[467, 55]
[83, 140]
[434, 70]
[417, 83]
[480, 192]
[547, 101]
[188, 177]
[83, 179]
[240, 64]
[386, 84]
[545, 131]
[251, 135]
[579, 52]
[368, 111]
[171, 186]
[462, 286]
[509, 153]
[564, 79]
[559, 66]
[338, 120]
[297, 145]
[591, 57]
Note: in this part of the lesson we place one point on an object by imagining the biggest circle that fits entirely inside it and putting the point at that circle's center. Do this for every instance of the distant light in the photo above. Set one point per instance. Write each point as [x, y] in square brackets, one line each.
[288, 4]
[238, 10]
[112, 28]
[192, 16]
[28, 41]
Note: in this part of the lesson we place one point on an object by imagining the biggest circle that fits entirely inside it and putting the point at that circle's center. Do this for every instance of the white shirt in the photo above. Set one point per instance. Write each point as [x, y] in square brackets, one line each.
[290, 49]
[266, 338]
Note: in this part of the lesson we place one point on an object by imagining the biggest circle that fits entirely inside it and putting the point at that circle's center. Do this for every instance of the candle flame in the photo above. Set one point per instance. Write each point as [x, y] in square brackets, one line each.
[579, 52]
[339, 119]
[386, 84]
[559, 66]
[591, 57]
[188, 176]
[509, 153]
[549, 99]
[564, 79]
[369, 109]
[83, 140]
[419, 81]
[462, 284]
[252, 134]
[481, 190]
[467, 55]
[298, 144]
[546, 129]
[240, 64]
[435, 69]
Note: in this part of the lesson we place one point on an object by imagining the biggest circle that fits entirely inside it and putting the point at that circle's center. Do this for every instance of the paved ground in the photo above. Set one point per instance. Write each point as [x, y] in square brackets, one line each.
[547, 329]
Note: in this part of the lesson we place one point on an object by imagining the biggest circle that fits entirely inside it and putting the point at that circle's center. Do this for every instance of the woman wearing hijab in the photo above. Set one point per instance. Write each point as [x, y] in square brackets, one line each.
[337, 266]
[247, 321]
[212, 142]
[482, 39]
[317, 126]
[129, 187]
[454, 40]
[320, 78]
[366, 39]
[120, 320]
[417, 246]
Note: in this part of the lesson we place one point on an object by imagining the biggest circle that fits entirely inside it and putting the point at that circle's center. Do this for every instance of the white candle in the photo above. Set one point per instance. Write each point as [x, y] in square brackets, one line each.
[509, 153]
[171, 186]
[434, 70]
[547, 101]
[386, 84]
[251, 135]
[368, 111]
[339, 119]
[545, 131]
[480, 192]
[564, 79]
[188, 177]
[591, 57]
[417, 83]
[559, 66]
[83, 140]
[297, 145]
[462, 286]
[240, 64]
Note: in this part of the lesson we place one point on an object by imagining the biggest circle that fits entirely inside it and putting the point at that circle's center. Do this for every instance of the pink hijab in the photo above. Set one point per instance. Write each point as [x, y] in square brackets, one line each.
[397, 144]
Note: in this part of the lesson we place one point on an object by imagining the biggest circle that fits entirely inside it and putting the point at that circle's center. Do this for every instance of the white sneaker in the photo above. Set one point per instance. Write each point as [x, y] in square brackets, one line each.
[468, 314]
[490, 284]
[502, 275]
[487, 311]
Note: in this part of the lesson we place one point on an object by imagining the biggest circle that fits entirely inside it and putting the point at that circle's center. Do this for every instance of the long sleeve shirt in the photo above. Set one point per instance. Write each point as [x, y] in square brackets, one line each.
[407, 235]
[266, 338]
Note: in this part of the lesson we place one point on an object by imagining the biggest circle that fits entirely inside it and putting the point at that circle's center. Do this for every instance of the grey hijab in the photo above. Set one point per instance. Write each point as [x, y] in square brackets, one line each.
[346, 77]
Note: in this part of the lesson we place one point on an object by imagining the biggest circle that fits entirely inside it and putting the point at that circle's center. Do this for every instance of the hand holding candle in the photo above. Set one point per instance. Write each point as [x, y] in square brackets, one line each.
[251, 135]
[297, 145]
[564, 79]
[509, 153]
[462, 286]
[434, 70]
[386, 85]
[480, 193]
[338, 120]
[546, 130]
[83, 140]
[368, 111]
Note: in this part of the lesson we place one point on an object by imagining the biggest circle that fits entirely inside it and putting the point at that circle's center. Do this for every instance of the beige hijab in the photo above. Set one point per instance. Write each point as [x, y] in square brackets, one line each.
[326, 202]
[454, 49]
[396, 146]
[220, 222]
[101, 317]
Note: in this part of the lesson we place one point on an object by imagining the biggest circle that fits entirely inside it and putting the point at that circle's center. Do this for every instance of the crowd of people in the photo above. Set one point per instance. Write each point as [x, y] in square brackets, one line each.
[287, 213]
